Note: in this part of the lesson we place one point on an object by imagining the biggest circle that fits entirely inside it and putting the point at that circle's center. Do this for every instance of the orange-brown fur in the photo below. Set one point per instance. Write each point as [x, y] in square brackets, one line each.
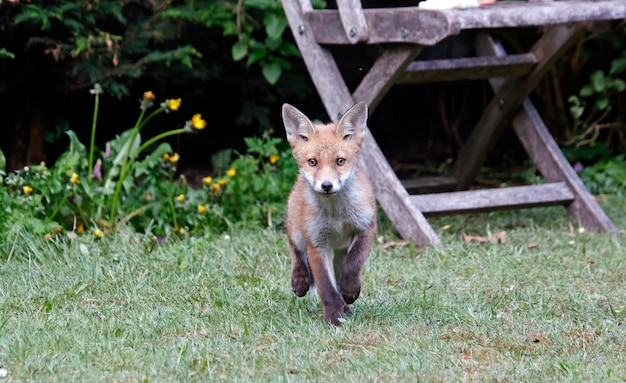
[331, 211]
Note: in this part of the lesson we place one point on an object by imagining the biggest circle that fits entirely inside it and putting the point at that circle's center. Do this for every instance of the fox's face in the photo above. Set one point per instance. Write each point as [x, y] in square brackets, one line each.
[326, 154]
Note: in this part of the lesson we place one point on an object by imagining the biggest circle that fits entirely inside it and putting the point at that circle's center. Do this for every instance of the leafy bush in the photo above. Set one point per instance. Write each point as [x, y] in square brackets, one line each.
[134, 181]
[264, 177]
[596, 107]
[606, 176]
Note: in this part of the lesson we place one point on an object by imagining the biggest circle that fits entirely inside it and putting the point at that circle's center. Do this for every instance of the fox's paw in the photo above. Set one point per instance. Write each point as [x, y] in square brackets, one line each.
[300, 284]
[350, 290]
[332, 315]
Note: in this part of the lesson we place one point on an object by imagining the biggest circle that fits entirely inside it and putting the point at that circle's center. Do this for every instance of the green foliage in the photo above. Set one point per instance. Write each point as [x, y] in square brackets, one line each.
[259, 26]
[76, 194]
[606, 176]
[264, 177]
[4, 53]
[96, 41]
[133, 182]
[595, 101]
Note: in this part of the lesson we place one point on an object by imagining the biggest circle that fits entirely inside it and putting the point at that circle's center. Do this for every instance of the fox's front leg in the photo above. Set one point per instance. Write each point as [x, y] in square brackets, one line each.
[350, 283]
[300, 275]
[333, 305]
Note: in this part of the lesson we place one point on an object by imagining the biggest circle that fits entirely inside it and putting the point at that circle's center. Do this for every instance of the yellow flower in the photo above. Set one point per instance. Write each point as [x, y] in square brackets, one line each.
[98, 233]
[270, 131]
[80, 229]
[174, 158]
[48, 236]
[166, 156]
[223, 181]
[27, 190]
[148, 197]
[274, 158]
[180, 198]
[197, 122]
[207, 180]
[148, 96]
[231, 172]
[174, 104]
[74, 179]
[216, 187]
[201, 209]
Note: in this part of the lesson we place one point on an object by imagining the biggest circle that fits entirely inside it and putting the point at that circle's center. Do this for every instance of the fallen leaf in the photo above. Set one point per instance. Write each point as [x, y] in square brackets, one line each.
[474, 238]
[532, 245]
[384, 245]
[394, 244]
[500, 237]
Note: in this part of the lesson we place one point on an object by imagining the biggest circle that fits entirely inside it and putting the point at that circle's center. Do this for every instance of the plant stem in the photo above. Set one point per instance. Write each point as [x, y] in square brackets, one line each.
[171, 200]
[58, 208]
[127, 164]
[93, 136]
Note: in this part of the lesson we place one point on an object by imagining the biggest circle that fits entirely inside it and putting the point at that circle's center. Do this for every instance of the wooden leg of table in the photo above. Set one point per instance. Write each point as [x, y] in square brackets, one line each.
[506, 102]
[553, 165]
[546, 154]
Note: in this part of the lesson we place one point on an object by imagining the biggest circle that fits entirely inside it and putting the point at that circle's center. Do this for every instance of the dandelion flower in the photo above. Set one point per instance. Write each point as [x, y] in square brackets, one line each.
[216, 187]
[149, 96]
[270, 131]
[174, 104]
[197, 122]
[231, 172]
[274, 158]
[27, 190]
[201, 209]
[180, 198]
[207, 180]
[80, 229]
[98, 233]
[223, 181]
[48, 236]
[174, 158]
[166, 156]
[74, 179]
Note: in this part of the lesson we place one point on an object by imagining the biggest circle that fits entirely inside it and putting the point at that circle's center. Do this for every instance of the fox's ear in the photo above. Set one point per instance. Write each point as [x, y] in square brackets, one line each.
[297, 125]
[354, 122]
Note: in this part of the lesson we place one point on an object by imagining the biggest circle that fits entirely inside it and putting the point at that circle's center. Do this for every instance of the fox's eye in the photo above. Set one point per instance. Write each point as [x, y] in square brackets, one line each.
[341, 161]
[312, 162]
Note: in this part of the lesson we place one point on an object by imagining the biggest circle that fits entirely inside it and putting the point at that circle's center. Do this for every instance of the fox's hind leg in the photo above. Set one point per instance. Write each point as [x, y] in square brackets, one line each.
[300, 273]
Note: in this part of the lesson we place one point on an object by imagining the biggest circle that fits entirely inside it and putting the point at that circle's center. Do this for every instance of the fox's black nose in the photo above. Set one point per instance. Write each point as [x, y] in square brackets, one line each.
[327, 186]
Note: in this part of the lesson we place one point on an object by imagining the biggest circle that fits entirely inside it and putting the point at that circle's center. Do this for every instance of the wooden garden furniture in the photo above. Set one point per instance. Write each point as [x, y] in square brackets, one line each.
[402, 33]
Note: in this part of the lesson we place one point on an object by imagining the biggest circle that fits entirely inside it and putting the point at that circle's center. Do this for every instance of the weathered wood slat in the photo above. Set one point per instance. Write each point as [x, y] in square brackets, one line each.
[474, 201]
[411, 25]
[546, 154]
[473, 68]
[428, 27]
[536, 14]
[353, 20]
[507, 101]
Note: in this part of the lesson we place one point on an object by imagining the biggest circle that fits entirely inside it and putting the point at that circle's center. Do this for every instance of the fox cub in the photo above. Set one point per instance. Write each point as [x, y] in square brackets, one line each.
[331, 211]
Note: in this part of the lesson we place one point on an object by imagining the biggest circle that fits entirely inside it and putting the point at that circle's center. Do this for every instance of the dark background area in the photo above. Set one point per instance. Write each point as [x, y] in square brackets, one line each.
[418, 127]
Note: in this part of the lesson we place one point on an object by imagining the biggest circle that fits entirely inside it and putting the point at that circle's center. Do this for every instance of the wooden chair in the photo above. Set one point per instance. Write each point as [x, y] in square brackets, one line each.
[402, 33]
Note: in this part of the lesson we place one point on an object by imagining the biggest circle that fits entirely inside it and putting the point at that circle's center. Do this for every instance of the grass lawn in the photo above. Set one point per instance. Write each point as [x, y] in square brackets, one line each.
[549, 304]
